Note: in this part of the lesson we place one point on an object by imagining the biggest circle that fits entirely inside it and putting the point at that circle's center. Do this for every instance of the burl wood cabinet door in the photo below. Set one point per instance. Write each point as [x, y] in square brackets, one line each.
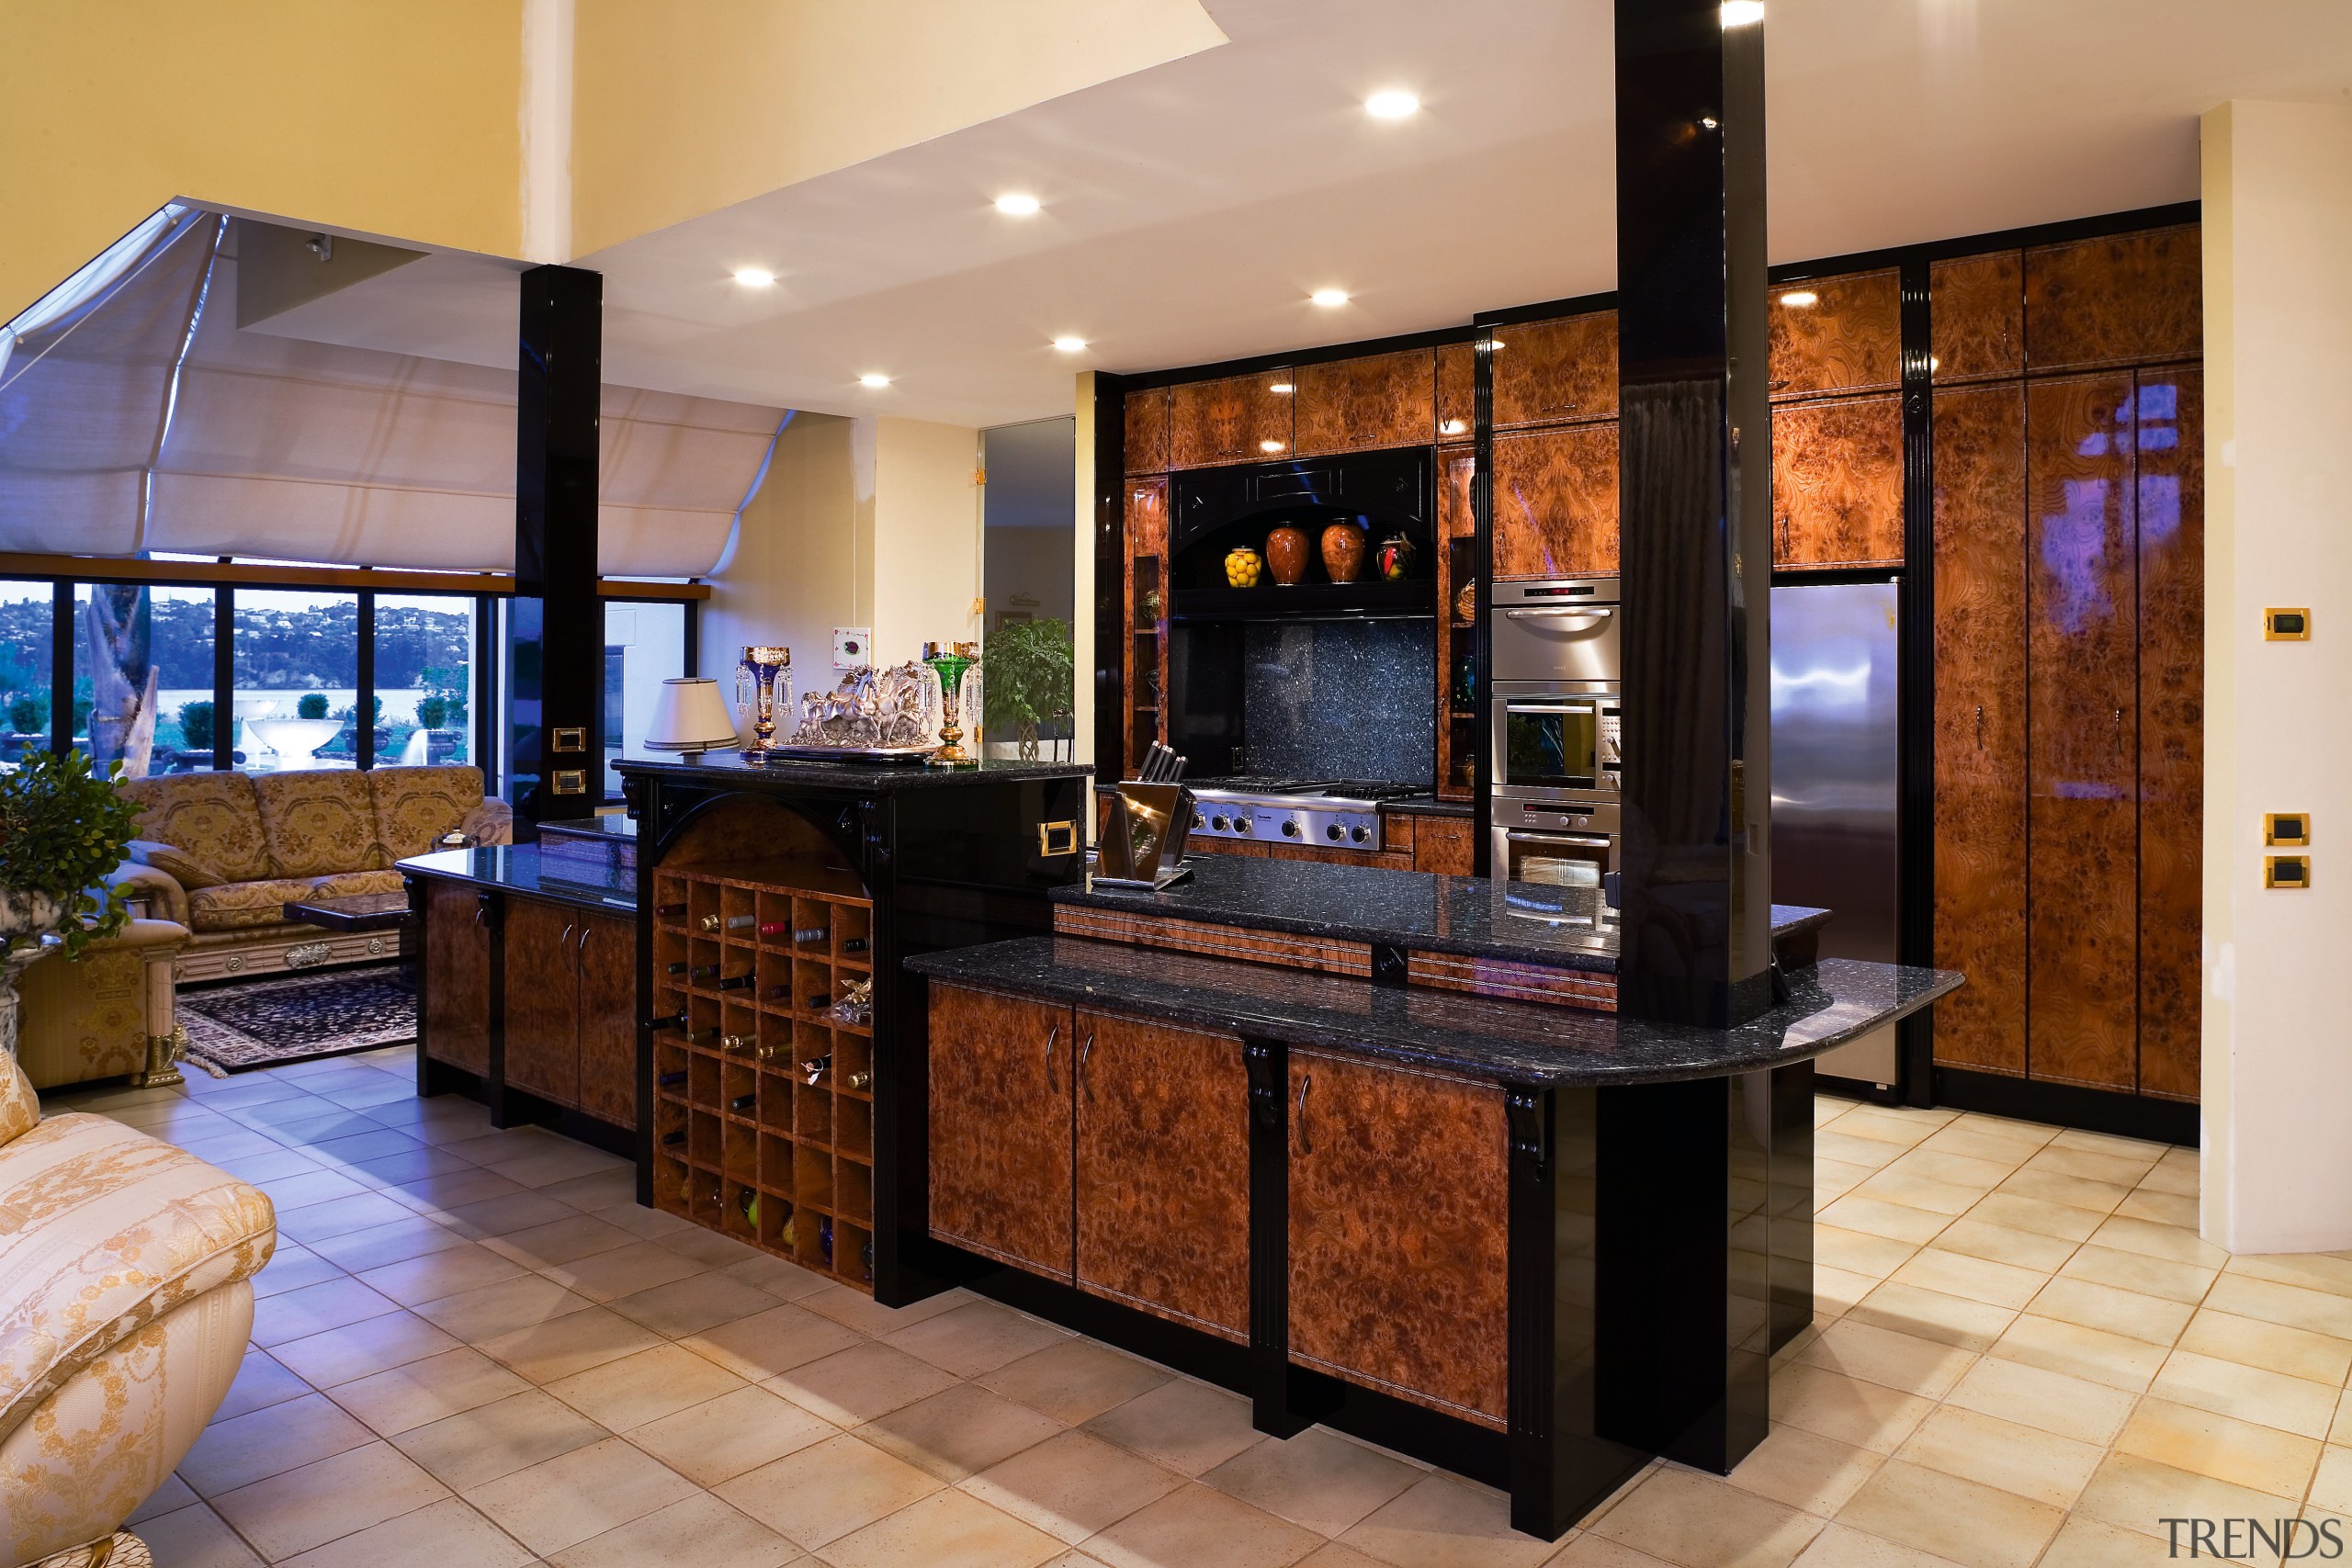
[1980, 668]
[1001, 1127]
[2127, 298]
[1442, 845]
[1836, 334]
[1398, 1194]
[1976, 316]
[1549, 371]
[1556, 503]
[606, 946]
[1148, 432]
[1358, 405]
[1163, 1172]
[542, 985]
[1457, 391]
[1243, 419]
[1837, 482]
[2083, 648]
[457, 977]
[2169, 492]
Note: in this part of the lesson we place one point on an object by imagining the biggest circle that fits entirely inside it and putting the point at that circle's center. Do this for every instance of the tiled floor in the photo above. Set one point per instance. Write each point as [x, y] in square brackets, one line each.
[473, 1348]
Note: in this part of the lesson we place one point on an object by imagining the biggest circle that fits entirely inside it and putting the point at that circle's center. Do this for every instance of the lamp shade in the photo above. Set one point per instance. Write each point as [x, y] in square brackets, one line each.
[689, 715]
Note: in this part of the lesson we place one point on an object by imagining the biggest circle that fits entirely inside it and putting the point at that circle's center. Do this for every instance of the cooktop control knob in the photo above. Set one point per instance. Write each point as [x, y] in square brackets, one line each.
[1361, 835]
[1217, 824]
[1335, 833]
[1290, 830]
[1241, 824]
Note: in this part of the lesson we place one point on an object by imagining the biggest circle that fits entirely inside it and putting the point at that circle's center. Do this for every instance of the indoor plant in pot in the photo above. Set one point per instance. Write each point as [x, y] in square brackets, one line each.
[1031, 667]
[62, 827]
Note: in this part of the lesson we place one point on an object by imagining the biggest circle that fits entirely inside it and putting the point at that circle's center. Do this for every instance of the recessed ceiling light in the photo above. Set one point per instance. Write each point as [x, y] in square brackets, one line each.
[1392, 103]
[1069, 345]
[872, 378]
[1799, 298]
[1742, 13]
[754, 276]
[1330, 296]
[1017, 204]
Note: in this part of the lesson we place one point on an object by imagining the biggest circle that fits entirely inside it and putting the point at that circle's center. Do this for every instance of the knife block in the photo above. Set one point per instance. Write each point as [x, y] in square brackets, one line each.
[1144, 846]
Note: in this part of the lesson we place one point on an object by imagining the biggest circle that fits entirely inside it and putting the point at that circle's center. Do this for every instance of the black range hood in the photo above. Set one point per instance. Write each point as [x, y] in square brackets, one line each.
[1393, 489]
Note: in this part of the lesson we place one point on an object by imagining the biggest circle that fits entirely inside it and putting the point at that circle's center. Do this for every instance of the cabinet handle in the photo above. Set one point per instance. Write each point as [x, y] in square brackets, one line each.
[565, 940]
[1083, 1052]
[2118, 732]
[1980, 727]
[586, 931]
[1052, 1035]
[1306, 1144]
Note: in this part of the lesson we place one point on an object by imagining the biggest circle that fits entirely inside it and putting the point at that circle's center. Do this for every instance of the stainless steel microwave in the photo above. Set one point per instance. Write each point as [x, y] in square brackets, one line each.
[1563, 629]
[1555, 740]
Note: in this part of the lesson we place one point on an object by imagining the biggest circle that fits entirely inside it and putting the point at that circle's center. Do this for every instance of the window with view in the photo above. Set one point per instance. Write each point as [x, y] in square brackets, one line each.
[295, 691]
[143, 676]
[425, 680]
[26, 639]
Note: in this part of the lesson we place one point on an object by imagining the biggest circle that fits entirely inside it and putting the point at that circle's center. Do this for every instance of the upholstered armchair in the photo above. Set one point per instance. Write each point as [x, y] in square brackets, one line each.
[126, 1300]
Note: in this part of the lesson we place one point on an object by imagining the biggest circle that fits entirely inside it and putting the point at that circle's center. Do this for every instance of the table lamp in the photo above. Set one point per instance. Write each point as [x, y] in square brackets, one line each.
[689, 715]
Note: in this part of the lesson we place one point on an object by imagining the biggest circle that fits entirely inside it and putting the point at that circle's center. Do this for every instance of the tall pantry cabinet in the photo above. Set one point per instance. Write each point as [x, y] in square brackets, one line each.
[2068, 419]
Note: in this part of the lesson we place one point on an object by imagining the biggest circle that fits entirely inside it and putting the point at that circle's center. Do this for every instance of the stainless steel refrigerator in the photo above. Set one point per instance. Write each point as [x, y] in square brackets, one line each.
[1834, 761]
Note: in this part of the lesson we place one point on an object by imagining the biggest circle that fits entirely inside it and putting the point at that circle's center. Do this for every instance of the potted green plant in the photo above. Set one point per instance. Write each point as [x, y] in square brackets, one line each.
[1028, 670]
[63, 828]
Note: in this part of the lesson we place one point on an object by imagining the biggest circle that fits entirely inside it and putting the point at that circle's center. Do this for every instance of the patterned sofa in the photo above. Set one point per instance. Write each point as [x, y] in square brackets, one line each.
[126, 1300]
[223, 853]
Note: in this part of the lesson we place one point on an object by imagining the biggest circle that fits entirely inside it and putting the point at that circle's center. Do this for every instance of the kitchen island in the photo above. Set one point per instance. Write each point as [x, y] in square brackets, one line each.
[1370, 1146]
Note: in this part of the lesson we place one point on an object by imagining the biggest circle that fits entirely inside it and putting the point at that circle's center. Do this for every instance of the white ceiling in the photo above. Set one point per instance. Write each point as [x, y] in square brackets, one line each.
[1191, 207]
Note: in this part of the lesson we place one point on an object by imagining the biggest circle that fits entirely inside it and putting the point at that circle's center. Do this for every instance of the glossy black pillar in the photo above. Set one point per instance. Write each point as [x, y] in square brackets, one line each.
[555, 624]
[1695, 507]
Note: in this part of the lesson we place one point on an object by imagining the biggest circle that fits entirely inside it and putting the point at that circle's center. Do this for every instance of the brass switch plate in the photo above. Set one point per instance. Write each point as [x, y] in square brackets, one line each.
[2285, 626]
[2286, 871]
[570, 781]
[1057, 839]
[569, 741]
[2286, 827]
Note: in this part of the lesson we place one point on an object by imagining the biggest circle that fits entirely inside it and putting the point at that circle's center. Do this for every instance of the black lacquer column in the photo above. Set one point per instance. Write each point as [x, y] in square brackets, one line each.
[1694, 513]
[555, 625]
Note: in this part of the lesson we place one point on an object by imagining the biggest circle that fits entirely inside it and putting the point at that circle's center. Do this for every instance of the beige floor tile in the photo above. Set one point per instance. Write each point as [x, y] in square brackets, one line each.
[2204, 1443]
[1809, 1472]
[855, 1309]
[596, 1192]
[2332, 1484]
[243, 1449]
[1905, 1362]
[1949, 1515]
[2018, 1458]
[855, 1385]
[2091, 1165]
[2059, 1186]
[1318, 1479]
[695, 1304]
[1073, 1484]
[785, 1280]
[2035, 1216]
[1955, 1168]
[2175, 1179]
[774, 1340]
[1900, 1184]
[1990, 1137]
[708, 1247]
[485, 1314]
[2318, 1312]
[1199, 1527]
[579, 1496]
[1186, 1426]
[1932, 1315]
[314, 1309]
[442, 1273]
[292, 1266]
[195, 1536]
[327, 1499]
[1331, 1554]
[572, 1343]
[959, 1432]
[2165, 1206]
[2340, 1429]
[262, 1381]
[2118, 1360]
[2086, 1543]
[623, 1270]
[644, 1386]
[340, 1217]
[2151, 1318]
[2175, 1243]
[1977, 1279]
[2310, 1270]
[1074, 1380]
[2250, 1394]
[2047, 1401]
[1869, 1154]
[734, 1433]
[478, 1446]
[947, 1530]
[506, 1214]
[1834, 1177]
[1876, 1217]
[170, 1497]
[372, 1249]
[368, 1346]
[1975, 1237]
[2139, 1150]
[825, 1491]
[698, 1532]
[1705, 1521]
[1858, 1253]
[1834, 1290]
[2140, 1493]
[399, 1399]
[1886, 1125]
[974, 1337]
[1851, 1410]
[561, 1241]
[439, 1535]
[2138, 1271]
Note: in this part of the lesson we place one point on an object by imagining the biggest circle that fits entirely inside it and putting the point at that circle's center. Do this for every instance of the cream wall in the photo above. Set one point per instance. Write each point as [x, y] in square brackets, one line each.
[1081, 629]
[2278, 1036]
[926, 535]
[396, 118]
[802, 560]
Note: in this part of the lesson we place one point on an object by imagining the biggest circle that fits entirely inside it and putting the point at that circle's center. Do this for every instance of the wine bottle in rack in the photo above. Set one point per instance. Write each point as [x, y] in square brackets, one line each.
[671, 1140]
[744, 1103]
[861, 1080]
[735, 981]
[773, 1049]
[737, 1042]
[747, 1203]
[668, 912]
[670, 1021]
[854, 945]
[702, 1036]
[670, 1080]
[825, 1239]
[808, 935]
[816, 1068]
[742, 922]
[680, 967]
[708, 922]
[819, 1001]
[696, 971]
[778, 993]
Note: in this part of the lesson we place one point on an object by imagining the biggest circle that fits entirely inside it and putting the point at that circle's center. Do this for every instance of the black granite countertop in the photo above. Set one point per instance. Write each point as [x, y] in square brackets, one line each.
[1429, 805]
[516, 868]
[1531, 922]
[1506, 1041]
[728, 768]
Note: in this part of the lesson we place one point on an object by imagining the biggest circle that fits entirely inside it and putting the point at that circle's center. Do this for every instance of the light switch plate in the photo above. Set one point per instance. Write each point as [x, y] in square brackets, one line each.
[2286, 827]
[853, 648]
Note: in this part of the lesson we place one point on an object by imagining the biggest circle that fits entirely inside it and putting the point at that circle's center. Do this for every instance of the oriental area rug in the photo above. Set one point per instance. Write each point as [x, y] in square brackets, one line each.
[245, 1024]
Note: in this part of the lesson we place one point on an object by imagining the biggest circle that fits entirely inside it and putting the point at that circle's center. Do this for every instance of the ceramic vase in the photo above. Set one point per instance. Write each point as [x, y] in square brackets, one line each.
[1287, 555]
[1342, 551]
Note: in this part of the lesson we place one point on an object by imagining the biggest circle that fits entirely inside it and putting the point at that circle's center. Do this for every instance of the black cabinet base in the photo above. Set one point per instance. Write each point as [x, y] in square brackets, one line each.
[2070, 1105]
[515, 1107]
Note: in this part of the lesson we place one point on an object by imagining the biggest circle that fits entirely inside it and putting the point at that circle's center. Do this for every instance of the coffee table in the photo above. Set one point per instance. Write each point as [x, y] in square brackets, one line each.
[352, 913]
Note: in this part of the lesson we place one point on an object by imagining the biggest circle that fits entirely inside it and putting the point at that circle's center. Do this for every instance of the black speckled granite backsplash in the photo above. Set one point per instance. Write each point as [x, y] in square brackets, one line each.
[1341, 699]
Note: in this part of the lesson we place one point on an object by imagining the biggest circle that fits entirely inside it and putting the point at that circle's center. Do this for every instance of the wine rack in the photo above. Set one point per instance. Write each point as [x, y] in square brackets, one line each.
[745, 1142]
